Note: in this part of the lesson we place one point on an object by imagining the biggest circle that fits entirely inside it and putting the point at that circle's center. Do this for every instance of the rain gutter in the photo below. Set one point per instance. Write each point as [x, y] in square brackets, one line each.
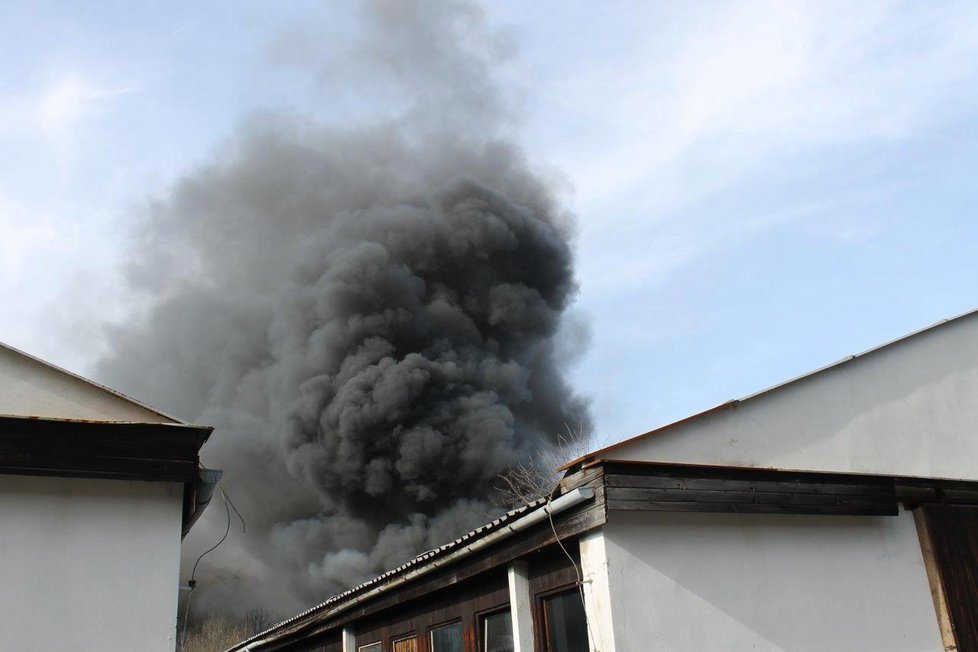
[558, 505]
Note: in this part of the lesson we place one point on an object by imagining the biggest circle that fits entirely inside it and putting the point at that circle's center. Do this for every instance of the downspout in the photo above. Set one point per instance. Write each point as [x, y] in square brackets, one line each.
[202, 488]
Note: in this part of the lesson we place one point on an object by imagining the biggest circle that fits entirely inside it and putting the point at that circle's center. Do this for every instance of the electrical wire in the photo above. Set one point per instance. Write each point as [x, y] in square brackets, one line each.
[192, 583]
[227, 530]
[577, 570]
[244, 527]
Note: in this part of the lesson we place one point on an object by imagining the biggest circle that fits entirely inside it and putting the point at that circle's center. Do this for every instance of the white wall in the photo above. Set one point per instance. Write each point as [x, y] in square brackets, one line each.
[29, 387]
[733, 582]
[88, 564]
[906, 409]
[597, 592]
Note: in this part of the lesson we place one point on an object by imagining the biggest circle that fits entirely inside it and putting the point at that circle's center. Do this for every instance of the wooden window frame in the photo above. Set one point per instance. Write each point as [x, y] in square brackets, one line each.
[413, 634]
[540, 613]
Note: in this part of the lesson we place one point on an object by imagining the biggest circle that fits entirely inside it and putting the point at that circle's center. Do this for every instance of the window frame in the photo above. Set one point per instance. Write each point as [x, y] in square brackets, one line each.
[367, 646]
[480, 622]
[460, 621]
[394, 640]
[540, 617]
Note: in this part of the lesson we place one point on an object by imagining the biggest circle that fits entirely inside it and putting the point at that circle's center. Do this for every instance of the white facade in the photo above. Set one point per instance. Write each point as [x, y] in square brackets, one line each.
[689, 581]
[908, 408]
[769, 560]
[34, 388]
[720, 581]
[85, 563]
[88, 565]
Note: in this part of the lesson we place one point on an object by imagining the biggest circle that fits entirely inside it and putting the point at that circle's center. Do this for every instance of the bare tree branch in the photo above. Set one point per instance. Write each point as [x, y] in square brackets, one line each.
[538, 476]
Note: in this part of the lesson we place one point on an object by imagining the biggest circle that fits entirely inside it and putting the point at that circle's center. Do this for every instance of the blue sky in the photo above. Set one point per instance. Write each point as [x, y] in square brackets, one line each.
[761, 187]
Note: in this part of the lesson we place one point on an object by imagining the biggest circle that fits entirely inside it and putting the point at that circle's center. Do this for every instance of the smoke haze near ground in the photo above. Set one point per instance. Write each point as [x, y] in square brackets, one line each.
[367, 313]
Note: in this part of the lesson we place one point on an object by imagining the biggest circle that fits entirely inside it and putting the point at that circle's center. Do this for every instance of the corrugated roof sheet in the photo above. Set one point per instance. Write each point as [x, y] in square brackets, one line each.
[420, 560]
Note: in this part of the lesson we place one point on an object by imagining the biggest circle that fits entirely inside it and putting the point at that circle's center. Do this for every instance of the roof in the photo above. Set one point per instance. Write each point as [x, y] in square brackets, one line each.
[423, 559]
[34, 387]
[111, 450]
[431, 557]
[796, 493]
[57, 423]
[610, 452]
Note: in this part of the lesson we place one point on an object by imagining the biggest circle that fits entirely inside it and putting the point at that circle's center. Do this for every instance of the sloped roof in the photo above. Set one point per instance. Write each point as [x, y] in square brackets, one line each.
[56, 423]
[31, 387]
[423, 559]
[929, 377]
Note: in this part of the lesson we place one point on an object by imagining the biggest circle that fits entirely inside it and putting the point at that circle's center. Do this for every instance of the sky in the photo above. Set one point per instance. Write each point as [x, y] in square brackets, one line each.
[760, 188]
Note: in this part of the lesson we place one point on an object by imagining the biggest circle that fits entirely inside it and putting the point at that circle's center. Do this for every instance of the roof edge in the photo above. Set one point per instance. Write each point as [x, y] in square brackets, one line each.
[102, 422]
[601, 452]
[92, 383]
[503, 527]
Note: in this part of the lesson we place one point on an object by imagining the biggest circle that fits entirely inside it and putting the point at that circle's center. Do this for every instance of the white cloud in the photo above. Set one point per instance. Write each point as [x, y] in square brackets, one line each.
[29, 240]
[698, 100]
[59, 280]
[764, 77]
[62, 107]
[66, 103]
[56, 110]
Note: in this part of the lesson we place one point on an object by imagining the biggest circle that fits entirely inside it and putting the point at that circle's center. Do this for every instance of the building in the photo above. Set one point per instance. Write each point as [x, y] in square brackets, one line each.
[96, 492]
[837, 511]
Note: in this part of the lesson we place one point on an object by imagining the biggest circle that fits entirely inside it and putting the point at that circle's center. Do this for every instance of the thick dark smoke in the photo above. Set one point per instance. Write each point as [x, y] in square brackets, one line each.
[367, 314]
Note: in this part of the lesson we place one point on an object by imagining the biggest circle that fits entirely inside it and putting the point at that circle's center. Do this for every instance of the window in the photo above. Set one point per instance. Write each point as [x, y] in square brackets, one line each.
[447, 638]
[497, 632]
[409, 644]
[565, 622]
[373, 647]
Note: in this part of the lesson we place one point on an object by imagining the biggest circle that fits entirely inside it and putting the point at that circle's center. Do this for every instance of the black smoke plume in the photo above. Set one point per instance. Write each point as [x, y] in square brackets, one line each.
[367, 313]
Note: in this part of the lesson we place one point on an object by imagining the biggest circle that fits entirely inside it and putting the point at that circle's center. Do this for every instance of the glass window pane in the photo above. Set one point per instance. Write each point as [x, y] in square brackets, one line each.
[566, 624]
[447, 638]
[498, 632]
[373, 647]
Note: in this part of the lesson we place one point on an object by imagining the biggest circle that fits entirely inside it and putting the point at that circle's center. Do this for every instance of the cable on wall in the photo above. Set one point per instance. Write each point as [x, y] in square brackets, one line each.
[192, 583]
[577, 570]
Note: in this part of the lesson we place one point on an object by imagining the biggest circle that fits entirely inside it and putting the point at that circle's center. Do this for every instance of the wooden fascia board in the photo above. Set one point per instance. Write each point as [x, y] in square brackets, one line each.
[571, 524]
[106, 450]
[648, 486]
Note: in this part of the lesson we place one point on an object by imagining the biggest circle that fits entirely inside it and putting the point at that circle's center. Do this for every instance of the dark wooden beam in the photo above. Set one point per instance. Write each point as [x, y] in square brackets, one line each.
[107, 450]
[953, 533]
[687, 488]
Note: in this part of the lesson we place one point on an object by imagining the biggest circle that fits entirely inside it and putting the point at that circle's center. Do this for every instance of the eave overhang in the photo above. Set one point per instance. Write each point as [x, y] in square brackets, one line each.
[109, 450]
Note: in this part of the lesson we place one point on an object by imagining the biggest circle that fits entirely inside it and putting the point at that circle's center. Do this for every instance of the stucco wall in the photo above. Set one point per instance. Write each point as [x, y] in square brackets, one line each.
[29, 387]
[767, 582]
[597, 591]
[906, 409]
[88, 564]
